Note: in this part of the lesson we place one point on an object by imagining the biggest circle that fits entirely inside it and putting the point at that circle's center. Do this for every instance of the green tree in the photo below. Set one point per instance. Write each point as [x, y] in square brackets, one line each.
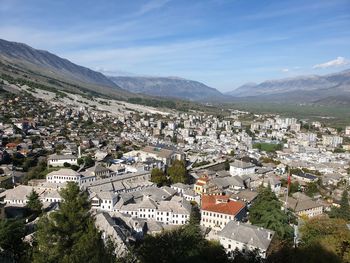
[12, 247]
[89, 162]
[266, 212]
[34, 204]
[343, 211]
[177, 172]
[311, 189]
[69, 234]
[227, 165]
[330, 233]
[195, 216]
[158, 177]
[183, 244]
[80, 161]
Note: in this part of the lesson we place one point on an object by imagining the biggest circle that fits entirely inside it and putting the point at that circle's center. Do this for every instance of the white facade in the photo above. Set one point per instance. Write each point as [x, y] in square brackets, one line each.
[63, 176]
[241, 168]
[215, 220]
[167, 212]
[245, 237]
[59, 160]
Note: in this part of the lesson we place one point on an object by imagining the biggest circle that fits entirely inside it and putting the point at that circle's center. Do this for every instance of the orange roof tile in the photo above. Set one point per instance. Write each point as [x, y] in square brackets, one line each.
[229, 207]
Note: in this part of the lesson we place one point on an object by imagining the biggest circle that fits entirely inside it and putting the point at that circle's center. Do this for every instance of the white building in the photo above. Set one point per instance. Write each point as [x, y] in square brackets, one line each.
[103, 200]
[334, 141]
[245, 237]
[347, 130]
[63, 175]
[59, 160]
[174, 212]
[241, 168]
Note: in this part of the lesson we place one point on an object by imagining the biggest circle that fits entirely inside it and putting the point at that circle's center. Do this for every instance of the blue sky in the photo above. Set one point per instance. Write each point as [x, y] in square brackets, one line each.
[223, 43]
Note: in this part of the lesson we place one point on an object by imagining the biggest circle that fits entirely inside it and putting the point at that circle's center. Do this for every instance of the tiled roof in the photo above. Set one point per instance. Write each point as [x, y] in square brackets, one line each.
[227, 206]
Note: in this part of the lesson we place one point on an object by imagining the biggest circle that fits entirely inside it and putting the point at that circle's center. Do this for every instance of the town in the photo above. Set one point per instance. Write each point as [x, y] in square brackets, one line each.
[148, 171]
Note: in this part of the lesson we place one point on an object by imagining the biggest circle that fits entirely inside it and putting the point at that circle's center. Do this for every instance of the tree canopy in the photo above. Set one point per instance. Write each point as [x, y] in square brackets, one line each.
[183, 244]
[266, 212]
[34, 204]
[331, 234]
[69, 234]
[342, 212]
[177, 172]
[158, 177]
[12, 247]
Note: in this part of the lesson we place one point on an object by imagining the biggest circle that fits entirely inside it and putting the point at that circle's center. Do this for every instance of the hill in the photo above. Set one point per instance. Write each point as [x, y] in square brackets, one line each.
[170, 87]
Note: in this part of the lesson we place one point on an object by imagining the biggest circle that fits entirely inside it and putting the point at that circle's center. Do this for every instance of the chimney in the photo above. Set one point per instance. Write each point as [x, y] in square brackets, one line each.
[269, 235]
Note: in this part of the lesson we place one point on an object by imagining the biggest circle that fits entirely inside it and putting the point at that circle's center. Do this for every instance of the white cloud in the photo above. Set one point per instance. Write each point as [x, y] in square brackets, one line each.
[285, 70]
[150, 6]
[339, 61]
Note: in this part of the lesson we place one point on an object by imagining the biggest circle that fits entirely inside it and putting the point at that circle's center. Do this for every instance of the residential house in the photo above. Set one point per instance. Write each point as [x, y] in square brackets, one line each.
[241, 168]
[218, 210]
[56, 160]
[245, 237]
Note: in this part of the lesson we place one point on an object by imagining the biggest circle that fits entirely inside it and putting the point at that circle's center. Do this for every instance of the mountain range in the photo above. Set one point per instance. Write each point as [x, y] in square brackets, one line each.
[313, 88]
[22, 61]
[170, 87]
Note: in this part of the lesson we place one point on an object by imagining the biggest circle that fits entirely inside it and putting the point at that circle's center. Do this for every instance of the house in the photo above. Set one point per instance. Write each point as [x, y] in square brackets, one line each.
[97, 171]
[63, 175]
[107, 226]
[103, 200]
[245, 237]
[204, 186]
[59, 160]
[170, 212]
[180, 188]
[303, 205]
[241, 168]
[305, 177]
[218, 210]
[232, 183]
[167, 156]
[17, 196]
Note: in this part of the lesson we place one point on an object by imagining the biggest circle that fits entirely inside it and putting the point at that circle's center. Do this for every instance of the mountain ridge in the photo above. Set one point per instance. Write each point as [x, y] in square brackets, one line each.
[169, 87]
[306, 88]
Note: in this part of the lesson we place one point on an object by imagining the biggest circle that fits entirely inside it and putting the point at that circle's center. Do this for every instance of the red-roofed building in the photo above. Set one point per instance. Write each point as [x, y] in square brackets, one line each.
[218, 210]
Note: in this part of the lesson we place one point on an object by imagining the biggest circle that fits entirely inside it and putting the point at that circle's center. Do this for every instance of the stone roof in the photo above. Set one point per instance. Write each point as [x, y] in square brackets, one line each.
[247, 234]
[64, 172]
[241, 164]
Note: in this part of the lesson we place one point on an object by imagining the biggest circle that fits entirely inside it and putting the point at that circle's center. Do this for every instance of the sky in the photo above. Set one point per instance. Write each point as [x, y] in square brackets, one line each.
[222, 43]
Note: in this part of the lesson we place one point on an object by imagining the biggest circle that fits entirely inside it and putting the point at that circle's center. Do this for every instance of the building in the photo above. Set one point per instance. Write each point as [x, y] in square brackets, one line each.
[17, 196]
[245, 237]
[103, 200]
[303, 205]
[333, 141]
[218, 210]
[110, 231]
[347, 130]
[167, 156]
[63, 176]
[305, 177]
[59, 160]
[170, 212]
[241, 168]
[204, 186]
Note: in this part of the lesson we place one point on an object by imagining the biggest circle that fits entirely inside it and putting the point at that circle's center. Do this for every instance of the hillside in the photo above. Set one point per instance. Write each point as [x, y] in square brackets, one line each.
[169, 87]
